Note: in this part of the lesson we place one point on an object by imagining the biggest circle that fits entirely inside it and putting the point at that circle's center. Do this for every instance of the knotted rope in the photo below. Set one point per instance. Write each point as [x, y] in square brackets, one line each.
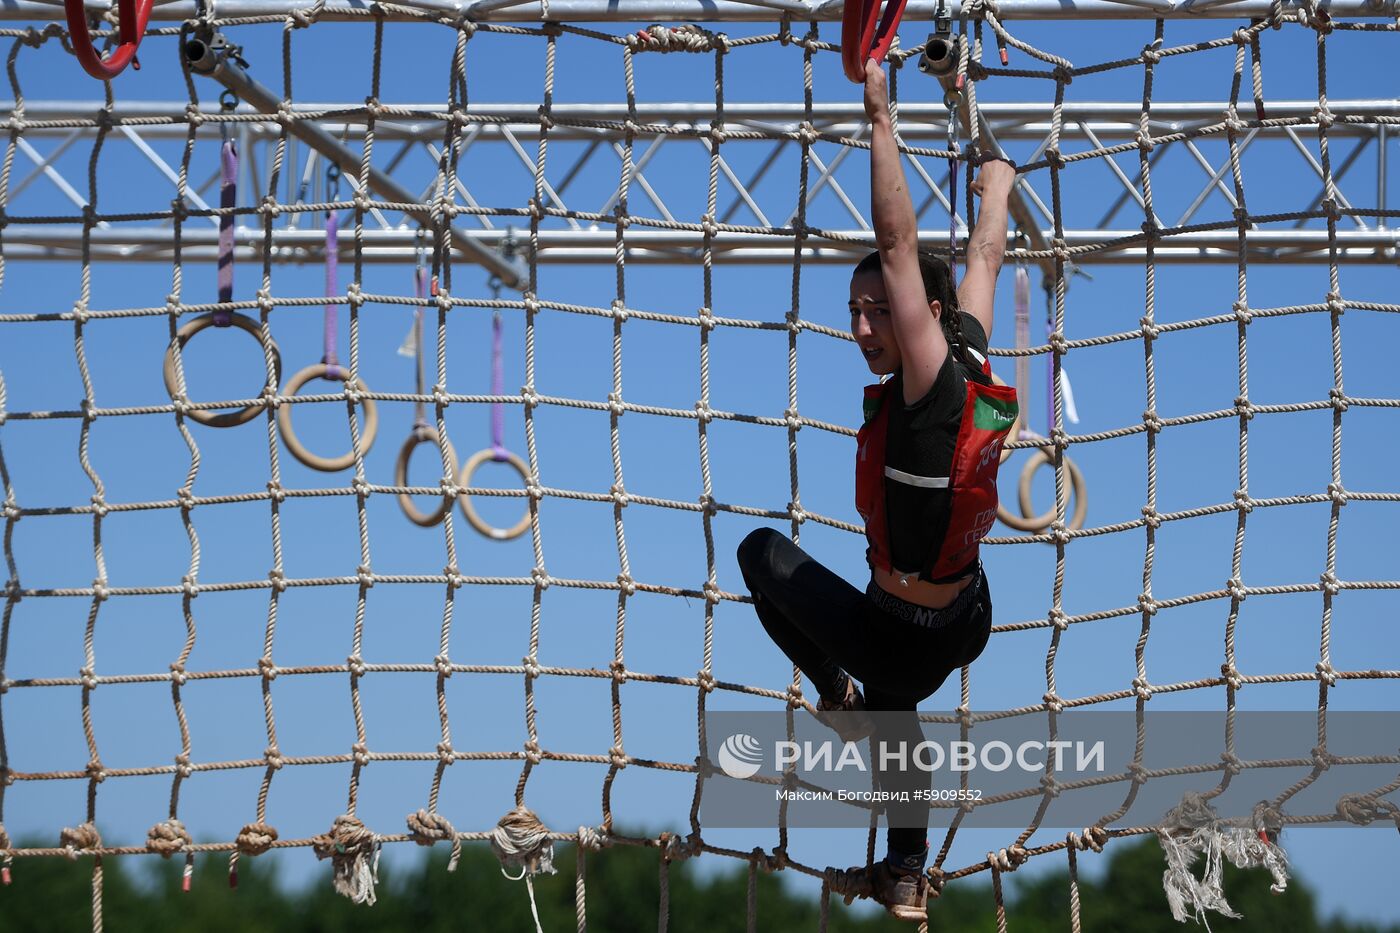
[1193, 829]
[521, 841]
[354, 854]
[426, 828]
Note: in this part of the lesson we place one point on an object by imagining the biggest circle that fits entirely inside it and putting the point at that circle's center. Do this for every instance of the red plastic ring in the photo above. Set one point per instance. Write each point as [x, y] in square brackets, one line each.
[134, 14]
[865, 35]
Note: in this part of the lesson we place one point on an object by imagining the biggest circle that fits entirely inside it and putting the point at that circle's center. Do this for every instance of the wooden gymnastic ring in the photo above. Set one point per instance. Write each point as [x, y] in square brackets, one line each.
[464, 479]
[210, 418]
[422, 434]
[289, 437]
[1038, 523]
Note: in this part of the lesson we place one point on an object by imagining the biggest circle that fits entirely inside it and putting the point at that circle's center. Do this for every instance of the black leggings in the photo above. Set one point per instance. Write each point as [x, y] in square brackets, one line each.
[828, 628]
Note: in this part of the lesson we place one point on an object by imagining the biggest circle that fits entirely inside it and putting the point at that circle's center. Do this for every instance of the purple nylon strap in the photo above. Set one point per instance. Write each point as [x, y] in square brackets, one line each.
[498, 425]
[332, 290]
[228, 197]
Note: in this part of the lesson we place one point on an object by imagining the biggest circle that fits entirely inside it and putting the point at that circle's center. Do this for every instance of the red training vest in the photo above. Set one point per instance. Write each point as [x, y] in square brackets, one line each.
[989, 413]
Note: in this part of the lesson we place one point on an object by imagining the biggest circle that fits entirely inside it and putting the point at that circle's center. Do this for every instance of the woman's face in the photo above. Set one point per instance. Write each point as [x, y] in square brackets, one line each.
[871, 325]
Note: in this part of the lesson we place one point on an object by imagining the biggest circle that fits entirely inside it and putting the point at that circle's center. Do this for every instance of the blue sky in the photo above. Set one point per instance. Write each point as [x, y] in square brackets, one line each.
[143, 458]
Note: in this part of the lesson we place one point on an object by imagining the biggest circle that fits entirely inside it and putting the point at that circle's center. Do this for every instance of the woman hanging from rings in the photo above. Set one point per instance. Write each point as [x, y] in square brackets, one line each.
[926, 487]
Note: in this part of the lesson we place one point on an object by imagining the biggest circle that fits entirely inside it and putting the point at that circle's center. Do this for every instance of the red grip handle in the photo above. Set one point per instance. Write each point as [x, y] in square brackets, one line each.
[134, 16]
[864, 34]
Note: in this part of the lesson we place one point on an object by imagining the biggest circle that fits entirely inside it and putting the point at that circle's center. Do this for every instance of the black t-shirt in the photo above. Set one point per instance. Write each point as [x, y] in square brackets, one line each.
[920, 442]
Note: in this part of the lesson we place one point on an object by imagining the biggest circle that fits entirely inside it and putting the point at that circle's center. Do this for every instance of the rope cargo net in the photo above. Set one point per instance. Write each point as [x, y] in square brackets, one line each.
[520, 839]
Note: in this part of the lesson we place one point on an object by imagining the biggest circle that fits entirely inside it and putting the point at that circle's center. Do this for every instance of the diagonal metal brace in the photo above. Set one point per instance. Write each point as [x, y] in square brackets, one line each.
[204, 58]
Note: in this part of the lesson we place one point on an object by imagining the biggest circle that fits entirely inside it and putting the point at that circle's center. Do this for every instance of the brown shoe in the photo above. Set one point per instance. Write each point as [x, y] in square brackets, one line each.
[847, 716]
[904, 894]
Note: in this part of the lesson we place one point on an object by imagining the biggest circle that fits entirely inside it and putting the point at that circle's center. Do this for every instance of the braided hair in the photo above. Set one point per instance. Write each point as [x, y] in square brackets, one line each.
[938, 286]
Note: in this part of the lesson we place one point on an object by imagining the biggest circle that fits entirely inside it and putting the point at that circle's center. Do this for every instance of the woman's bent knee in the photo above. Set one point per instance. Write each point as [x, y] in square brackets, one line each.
[754, 550]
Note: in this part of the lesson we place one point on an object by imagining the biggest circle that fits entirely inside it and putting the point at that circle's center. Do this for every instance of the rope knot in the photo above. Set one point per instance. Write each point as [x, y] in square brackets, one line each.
[1337, 493]
[273, 756]
[619, 671]
[1059, 620]
[1236, 588]
[537, 574]
[704, 767]
[81, 838]
[1049, 785]
[705, 414]
[1059, 532]
[1243, 502]
[1064, 73]
[1150, 55]
[1093, 837]
[615, 404]
[806, 134]
[1052, 702]
[674, 847]
[1145, 142]
[1335, 304]
[1324, 117]
[521, 841]
[177, 673]
[531, 665]
[796, 512]
[1232, 763]
[1321, 758]
[167, 838]
[1242, 312]
[1058, 343]
[1231, 675]
[706, 681]
[266, 668]
[1149, 329]
[1363, 809]
[442, 662]
[1057, 161]
[1331, 586]
[533, 754]
[708, 505]
[99, 507]
[1338, 399]
[354, 853]
[1142, 688]
[356, 665]
[618, 756]
[1136, 772]
[89, 678]
[446, 754]
[591, 839]
[707, 221]
[1008, 859]
[426, 828]
[793, 418]
[1146, 604]
[360, 752]
[621, 500]
[1150, 516]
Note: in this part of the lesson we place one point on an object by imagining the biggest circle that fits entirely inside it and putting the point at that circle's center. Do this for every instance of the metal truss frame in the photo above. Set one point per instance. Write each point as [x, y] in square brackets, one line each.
[701, 11]
[392, 236]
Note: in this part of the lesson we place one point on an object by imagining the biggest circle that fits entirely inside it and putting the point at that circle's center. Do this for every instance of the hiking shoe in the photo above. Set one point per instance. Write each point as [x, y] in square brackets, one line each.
[904, 894]
[846, 716]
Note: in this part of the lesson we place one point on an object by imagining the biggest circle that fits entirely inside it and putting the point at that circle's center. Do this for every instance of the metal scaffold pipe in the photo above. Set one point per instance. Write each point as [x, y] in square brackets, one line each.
[205, 58]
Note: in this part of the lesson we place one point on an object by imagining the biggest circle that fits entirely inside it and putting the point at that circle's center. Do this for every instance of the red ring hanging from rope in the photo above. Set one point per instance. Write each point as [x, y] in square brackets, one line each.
[865, 35]
[134, 16]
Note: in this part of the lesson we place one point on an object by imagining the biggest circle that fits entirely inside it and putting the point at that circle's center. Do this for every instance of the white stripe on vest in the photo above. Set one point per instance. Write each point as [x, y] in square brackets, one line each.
[909, 479]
